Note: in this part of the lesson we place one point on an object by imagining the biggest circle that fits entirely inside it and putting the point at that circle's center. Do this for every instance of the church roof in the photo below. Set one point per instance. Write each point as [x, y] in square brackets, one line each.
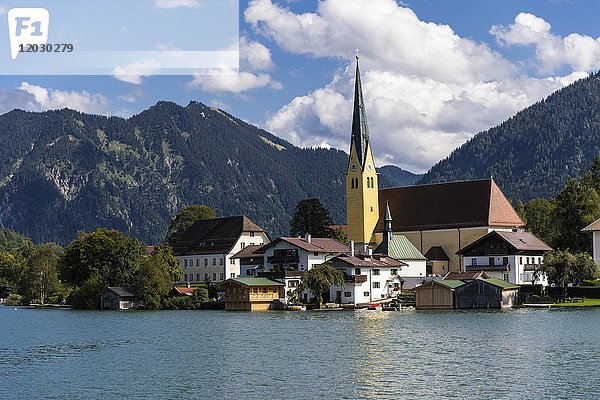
[447, 205]
[360, 129]
[214, 235]
[399, 247]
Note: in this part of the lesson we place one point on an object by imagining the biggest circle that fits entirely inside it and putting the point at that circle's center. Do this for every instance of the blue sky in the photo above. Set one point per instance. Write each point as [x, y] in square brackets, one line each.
[435, 72]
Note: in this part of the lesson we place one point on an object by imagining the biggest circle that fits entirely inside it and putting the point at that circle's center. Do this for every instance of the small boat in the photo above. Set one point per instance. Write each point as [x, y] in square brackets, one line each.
[375, 307]
[296, 308]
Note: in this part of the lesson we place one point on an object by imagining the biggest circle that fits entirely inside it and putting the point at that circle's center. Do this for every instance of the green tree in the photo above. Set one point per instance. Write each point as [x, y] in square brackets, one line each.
[311, 217]
[576, 206]
[520, 209]
[541, 219]
[186, 218]
[320, 278]
[39, 279]
[565, 267]
[156, 276]
[11, 267]
[98, 260]
[591, 177]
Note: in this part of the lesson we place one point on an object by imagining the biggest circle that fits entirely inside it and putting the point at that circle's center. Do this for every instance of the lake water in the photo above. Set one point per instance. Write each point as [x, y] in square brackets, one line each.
[515, 354]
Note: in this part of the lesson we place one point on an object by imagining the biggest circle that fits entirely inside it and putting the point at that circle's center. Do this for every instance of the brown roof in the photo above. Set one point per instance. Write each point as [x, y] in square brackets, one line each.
[214, 235]
[520, 241]
[465, 276]
[436, 253]
[594, 226]
[250, 252]
[317, 245]
[447, 205]
[377, 260]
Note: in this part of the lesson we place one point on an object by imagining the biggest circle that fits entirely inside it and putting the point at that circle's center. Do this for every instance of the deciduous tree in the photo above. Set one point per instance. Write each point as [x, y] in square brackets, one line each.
[186, 218]
[320, 278]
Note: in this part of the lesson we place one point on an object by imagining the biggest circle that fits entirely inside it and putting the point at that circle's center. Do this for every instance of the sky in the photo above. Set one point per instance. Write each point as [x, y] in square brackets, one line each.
[435, 72]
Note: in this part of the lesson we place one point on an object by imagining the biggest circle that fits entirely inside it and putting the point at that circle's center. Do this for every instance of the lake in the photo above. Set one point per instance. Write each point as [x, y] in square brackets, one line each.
[511, 354]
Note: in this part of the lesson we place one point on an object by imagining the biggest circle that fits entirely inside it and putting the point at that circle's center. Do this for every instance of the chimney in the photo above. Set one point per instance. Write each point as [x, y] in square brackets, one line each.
[370, 252]
[188, 285]
[308, 238]
[352, 248]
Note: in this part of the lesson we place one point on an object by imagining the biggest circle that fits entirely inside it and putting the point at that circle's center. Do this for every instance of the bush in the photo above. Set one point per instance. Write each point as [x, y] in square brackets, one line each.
[14, 300]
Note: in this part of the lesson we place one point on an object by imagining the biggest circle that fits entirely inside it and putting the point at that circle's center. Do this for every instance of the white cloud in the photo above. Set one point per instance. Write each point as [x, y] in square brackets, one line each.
[42, 99]
[254, 58]
[427, 90]
[176, 3]
[135, 72]
[232, 82]
[579, 52]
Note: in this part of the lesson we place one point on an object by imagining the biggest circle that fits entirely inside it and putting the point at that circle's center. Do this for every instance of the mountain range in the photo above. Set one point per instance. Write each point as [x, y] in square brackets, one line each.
[63, 172]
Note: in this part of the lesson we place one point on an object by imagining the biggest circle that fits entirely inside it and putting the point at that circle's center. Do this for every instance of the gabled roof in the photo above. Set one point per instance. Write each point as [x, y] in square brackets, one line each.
[447, 205]
[519, 241]
[184, 290]
[252, 282]
[399, 247]
[450, 284]
[251, 251]
[593, 227]
[465, 276]
[316, 245]
[436, 253]
[501, 283]
[214, 235]
[123, 291]
[364, 261]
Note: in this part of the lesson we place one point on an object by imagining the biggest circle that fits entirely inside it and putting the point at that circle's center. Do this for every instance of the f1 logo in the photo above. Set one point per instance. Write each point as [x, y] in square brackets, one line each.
[27, 26]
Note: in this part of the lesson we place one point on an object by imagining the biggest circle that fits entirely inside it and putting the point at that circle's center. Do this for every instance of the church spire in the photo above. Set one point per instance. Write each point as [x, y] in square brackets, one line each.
[360, 130]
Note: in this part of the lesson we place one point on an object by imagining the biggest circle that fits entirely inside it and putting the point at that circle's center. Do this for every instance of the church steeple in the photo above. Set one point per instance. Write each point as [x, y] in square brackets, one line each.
[360, 129]
[362, 194]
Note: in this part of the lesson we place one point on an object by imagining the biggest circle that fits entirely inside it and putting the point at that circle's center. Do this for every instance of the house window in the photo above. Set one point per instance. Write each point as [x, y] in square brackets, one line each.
[254, 290]
[205, 277]
[214, 276]
[185, 263]
[232, 274]
[347, 294]
[185, 277]
[504, 260]
[366, 294]
[352, 183]
[315, 253]
[293, 283]
[506, 277]
[220, 261]
[231, 261]
[521, 277]
[243, 245]
[527, 260]
[492, 263]
[394, 271]
[356, 271]
[264, 290]
[376, 272]
[521, 260]
[251, 234]
[214, 261]
[492, 245]
[473, 261]
[198, 277]
[205, 262]
[376, 285]
[197, 262]
[221, 276]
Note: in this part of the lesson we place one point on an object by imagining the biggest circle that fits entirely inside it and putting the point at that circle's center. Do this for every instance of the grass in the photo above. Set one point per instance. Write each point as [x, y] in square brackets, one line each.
[585, 303]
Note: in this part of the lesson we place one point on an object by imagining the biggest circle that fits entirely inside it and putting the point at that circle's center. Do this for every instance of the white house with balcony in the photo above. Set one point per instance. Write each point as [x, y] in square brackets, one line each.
[206, 249]
[287, 258]
[516, 257]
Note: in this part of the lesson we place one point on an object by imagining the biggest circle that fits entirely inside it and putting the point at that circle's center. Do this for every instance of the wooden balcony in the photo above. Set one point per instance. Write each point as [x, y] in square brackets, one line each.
[489, 268]
[280, 259]
[355, 278]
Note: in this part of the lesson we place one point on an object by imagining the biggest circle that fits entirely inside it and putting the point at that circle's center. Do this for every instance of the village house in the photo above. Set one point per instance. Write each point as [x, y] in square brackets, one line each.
[287, 258]
[515, 257]
[369, 277]
[119, 298]
[594, 228]
[251, 294]
[206, 249]
[251, 260]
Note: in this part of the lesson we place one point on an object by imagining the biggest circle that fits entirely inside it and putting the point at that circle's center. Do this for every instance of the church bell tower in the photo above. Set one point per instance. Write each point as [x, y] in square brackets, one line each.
[362, 193]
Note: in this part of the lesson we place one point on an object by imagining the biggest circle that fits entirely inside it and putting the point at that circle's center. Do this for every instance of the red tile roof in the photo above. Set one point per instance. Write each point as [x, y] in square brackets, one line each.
[447, 205]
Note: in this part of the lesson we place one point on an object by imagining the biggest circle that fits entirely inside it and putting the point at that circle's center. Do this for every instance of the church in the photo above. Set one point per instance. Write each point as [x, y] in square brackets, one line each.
[437, 219]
